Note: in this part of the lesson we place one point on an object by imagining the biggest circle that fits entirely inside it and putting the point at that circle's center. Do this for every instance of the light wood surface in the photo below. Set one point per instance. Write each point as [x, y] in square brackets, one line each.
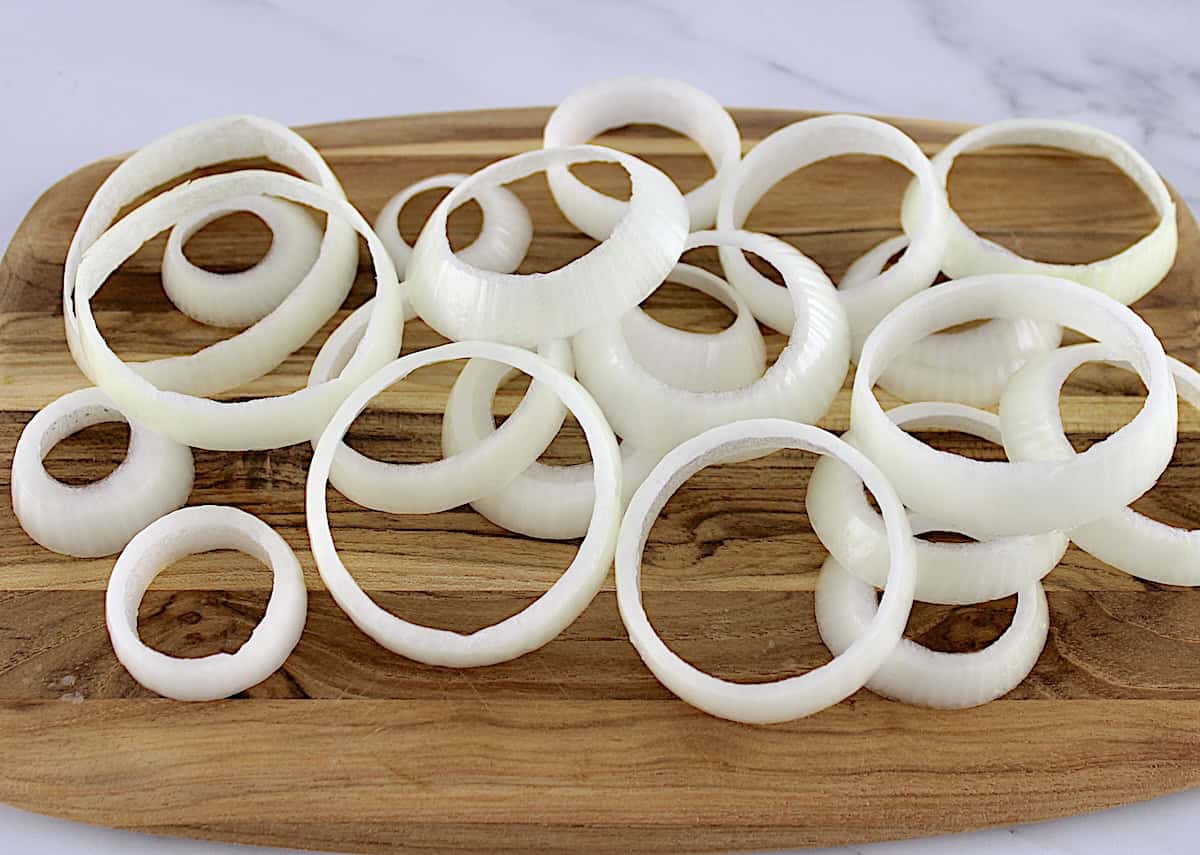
[575, 746]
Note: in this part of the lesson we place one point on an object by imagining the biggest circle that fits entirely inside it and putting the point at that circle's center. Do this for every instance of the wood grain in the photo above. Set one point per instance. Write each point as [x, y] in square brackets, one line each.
[349, 747]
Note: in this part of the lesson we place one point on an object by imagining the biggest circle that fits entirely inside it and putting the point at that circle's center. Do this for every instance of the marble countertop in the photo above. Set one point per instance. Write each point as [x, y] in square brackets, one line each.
[87, 80]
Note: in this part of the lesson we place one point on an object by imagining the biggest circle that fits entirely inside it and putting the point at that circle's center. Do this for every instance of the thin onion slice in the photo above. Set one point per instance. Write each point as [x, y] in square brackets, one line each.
[547, 616]
[954, 573]
[99, 518]
[993, 498]
[763, 703]
[1126, 539]
[462, 301]
[914, 673]
[189, 531]
[613, 103]
[220, 425]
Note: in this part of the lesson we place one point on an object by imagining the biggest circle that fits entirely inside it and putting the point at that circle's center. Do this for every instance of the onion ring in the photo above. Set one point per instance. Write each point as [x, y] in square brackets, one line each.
[609, 104]
[793, 697]
[98, 518]
[219, 425]
[547, 616]
[993, 498]
[953, 573]
[1127, 540]
[461, 301]
[189, 531]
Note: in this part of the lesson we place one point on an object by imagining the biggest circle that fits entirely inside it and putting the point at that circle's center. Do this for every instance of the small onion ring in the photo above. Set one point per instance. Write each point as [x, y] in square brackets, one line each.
[782, 700]
[219, 425]
[237, 300]
[429, 488]
[547, 616]
[609, 104]
[800, 385]
[99, 518]
[462, 301]
[1127, 540]
[1125, 276]
[967, 366]
[915, 674]
[189, 531]
[994, 498]
[804, 143]
[952, 573]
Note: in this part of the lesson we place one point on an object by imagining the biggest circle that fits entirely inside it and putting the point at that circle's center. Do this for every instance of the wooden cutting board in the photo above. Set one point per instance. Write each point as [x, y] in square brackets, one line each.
[575, 746]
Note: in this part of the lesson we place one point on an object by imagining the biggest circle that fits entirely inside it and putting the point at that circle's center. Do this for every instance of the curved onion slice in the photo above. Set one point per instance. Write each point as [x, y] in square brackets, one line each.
[462, 301]
[257, 350]
[992, 498]
[762, 703]
[807, 142]
[800, 385]
[610, 104]
[1125, 539]
[428, 488]
[503, 238]
[917, 675]
[228, 426]
[189, 531]
[853, 531]
[240, 299]
[967, 366]
[547, 616]
[99, 518]
[1125, 276]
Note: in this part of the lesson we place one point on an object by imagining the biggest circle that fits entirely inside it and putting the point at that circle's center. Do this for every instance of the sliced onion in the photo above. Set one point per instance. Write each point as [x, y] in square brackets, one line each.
[240, 299]
[955, 573]
[257, 350]
[610, 104]
[917, 675]
[547, 616]
[968, 366]
[992, 498]
[189, 531]
[1126, 539]
[229, 426]
[805, 143]
[428, 488]
[98, 518]
[462, 301]
[763, 703]
[1125, 276]
[800, 385]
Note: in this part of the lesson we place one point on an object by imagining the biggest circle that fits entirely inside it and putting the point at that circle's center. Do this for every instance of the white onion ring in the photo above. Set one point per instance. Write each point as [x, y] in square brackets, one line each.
[98, 518]
[762, 703]
[1127, 540]
[503, 238]
[547, 616]
[804, 143]
[1125, 276]
[953, 573]
[699, 362]
[800, 385]
[240, 299]
[230, 426]
[259, 349]
[914, 673]
[609, 104]
[189, 531]
[993, 498]
[461, 301]
[429, 488]
[966, 366]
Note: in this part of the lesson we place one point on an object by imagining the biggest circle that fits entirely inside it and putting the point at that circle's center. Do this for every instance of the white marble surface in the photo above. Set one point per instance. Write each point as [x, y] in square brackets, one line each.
[84, 80]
